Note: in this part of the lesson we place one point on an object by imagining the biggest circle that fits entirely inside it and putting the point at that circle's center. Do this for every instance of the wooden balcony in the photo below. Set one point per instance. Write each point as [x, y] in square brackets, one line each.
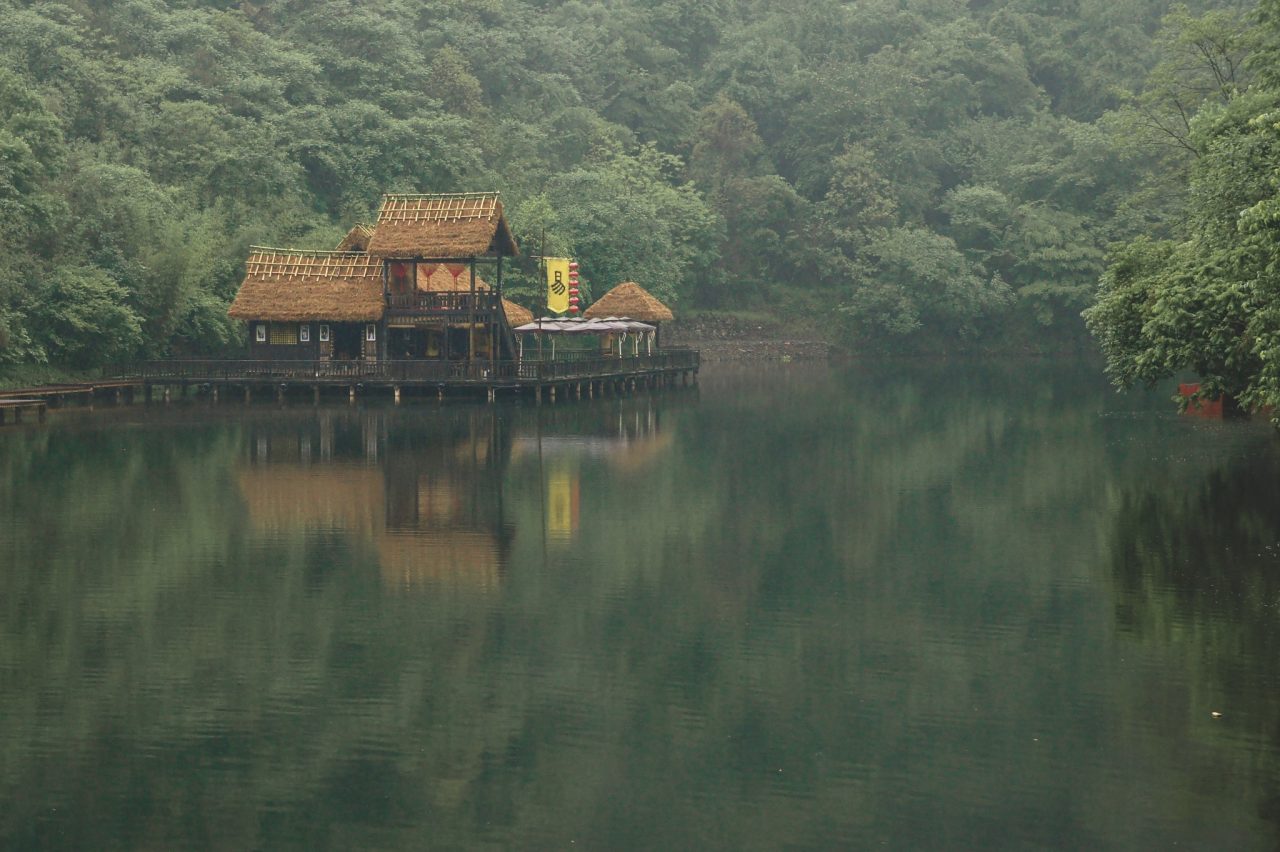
[445, 304]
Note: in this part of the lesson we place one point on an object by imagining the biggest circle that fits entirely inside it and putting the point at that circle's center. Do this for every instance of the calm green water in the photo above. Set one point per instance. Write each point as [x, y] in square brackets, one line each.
[923, 607]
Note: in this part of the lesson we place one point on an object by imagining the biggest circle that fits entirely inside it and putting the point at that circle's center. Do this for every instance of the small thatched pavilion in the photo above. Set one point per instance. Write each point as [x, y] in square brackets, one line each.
[630, 300]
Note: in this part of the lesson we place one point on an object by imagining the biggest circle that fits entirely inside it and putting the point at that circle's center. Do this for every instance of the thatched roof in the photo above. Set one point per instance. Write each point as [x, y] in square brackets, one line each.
[516, 314]
[442, 226]
[629, 299]
[443, 277]
[357, 239]
[298, 286]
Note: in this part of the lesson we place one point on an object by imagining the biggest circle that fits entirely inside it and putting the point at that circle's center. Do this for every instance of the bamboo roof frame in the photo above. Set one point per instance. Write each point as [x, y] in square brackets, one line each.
[441, 225]
[291, 285]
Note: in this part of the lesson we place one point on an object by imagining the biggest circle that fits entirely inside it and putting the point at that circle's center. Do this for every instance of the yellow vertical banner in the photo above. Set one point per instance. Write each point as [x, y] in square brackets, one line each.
[557, 284]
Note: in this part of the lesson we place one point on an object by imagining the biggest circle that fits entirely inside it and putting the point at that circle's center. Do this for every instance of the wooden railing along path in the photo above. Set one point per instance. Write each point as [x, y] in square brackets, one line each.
[579, 366]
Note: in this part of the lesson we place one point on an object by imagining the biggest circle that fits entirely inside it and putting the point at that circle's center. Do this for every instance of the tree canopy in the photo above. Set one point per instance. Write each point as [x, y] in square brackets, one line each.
[916, 174]
[1202, 296]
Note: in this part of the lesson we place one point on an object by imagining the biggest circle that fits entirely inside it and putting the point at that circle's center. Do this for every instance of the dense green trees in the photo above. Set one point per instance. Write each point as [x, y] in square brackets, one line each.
[923, 174]
[1204, 298]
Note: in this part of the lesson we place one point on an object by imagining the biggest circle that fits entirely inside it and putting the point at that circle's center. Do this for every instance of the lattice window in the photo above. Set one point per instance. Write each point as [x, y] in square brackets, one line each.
[284, 333]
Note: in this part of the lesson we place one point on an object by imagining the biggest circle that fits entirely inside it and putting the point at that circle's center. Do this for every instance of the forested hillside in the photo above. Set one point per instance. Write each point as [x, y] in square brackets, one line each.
[918, 174]
[1205, 297]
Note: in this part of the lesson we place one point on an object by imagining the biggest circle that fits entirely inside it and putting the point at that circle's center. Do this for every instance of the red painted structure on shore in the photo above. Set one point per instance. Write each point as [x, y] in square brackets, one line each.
[1199, 407]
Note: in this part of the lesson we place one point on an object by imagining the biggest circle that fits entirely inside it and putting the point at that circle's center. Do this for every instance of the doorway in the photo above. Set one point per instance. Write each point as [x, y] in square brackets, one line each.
[347, 341]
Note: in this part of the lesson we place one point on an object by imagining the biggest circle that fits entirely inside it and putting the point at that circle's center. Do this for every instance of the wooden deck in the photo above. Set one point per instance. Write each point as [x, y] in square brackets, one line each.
[56, 394]
[575, 373]
[567, 376]
[12, 409]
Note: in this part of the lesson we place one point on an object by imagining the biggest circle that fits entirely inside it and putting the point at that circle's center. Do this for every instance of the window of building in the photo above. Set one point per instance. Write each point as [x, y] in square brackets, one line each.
[400, 277]
[284, 334]
[371, 332]
[260, 332]
[324, 333]
[304, 333]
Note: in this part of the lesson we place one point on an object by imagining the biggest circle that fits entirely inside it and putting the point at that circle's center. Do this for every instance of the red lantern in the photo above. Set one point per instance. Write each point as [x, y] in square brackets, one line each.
[573, 287]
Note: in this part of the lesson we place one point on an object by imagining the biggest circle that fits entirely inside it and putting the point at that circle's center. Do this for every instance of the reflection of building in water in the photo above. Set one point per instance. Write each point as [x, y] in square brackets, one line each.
[430, 503]
[564, 502]
[626, 435]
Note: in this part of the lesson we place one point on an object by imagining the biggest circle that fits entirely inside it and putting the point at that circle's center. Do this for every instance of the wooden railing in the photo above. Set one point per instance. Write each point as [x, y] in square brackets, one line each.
[450, 302]
[523, 372]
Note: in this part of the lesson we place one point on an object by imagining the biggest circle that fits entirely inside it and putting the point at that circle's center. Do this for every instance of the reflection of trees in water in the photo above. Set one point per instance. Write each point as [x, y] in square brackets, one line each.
[814, 576]
[248, 642]
[736, 604]
[1196, 567]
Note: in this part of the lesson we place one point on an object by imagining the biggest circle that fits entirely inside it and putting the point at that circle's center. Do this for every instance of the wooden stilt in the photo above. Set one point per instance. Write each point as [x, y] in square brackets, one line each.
[248, 394]
[315, 395]
[396, 390]
[351, 394]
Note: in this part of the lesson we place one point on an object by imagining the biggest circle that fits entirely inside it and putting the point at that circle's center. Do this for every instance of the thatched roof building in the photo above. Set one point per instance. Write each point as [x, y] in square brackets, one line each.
[357, 239]
[284, 285]
[297, 286]
[446, 277]
[631, 300]
[442, 226]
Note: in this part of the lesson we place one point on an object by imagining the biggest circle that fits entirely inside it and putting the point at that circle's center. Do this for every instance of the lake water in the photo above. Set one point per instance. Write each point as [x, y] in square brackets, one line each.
[917, 606]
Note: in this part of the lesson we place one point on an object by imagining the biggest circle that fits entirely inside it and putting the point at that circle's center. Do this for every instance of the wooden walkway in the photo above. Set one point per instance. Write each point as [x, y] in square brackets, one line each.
[583, 375]
[12, 409]
[576, 375]
[55, 395]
